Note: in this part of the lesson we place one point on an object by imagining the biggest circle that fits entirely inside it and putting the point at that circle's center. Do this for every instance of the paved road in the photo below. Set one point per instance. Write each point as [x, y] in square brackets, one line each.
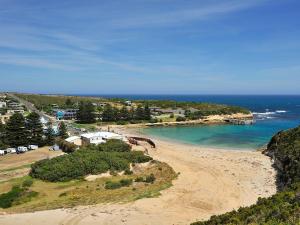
[31, 107]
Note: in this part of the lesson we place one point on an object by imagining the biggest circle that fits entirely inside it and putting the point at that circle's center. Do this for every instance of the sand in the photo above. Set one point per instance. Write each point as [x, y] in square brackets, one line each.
[211, 181]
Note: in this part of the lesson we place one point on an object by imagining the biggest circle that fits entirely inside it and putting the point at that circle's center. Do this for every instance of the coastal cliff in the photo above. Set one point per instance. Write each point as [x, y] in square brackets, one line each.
[284, 206]
[284, 149]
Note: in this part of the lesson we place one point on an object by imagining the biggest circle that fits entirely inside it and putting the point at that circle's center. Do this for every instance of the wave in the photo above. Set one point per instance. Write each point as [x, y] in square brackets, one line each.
[264, 113]
[280, 111]
[268, 114]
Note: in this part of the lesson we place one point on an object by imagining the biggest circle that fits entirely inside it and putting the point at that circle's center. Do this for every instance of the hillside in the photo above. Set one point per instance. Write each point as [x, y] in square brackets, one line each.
[283, 207]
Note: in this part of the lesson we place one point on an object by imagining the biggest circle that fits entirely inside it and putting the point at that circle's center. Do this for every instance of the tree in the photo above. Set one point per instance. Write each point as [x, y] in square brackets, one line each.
[139, 113]
[2, 136]
[86, 113]
[35, 128]
[62, 130]
[124, 114]
[49, 134]
[108, 113]
[69, 102]
[147, 112]
[16, 133]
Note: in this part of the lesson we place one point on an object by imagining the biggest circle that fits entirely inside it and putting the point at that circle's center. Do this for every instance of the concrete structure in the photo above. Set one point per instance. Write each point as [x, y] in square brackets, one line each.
[99, 137]
[74, 140]
[2, 104]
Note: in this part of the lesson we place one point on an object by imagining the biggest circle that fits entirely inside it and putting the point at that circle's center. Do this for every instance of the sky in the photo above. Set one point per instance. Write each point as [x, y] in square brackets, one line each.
[150, 46]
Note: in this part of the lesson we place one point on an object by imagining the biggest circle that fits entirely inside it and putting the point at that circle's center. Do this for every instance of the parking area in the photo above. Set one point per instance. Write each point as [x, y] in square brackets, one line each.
[16, 165]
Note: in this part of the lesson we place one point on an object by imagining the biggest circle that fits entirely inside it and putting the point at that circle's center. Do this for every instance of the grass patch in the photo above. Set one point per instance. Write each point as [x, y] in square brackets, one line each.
[18, 194]
[80, 192]
[15, 168]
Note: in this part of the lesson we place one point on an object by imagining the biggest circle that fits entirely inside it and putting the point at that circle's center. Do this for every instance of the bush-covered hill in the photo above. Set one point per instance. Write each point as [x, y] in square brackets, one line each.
[282, 208]
[111, 156]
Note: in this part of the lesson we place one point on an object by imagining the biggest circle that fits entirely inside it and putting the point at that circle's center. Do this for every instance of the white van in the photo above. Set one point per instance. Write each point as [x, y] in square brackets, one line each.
[11, 150]
[33, 147]
[22, 149]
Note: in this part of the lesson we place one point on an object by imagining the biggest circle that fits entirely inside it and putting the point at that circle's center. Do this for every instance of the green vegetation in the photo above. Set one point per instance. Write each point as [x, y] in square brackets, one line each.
[35, 128]
[282, 208]
[118, 184]
[148, 179]
[16, 133]
[114, 114]
[66, 146]
[62, 130]
[45, 102]
[17, 195]
[53, 195]
[49, 135]
[21, 131]
[86, 113]
[205, 108]
[117, 111]
[111, 156]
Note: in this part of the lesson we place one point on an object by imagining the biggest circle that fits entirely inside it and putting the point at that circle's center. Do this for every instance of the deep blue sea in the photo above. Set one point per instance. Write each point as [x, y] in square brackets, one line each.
[272, 114]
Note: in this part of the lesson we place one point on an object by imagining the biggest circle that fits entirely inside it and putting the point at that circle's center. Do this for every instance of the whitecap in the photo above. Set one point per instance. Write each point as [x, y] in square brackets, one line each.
[281, 111]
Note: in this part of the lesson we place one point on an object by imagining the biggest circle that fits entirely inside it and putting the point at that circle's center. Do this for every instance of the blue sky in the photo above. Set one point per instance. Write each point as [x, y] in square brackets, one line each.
[150, 46]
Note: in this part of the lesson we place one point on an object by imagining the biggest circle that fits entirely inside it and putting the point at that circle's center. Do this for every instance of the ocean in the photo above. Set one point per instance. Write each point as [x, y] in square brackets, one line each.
[272, 114]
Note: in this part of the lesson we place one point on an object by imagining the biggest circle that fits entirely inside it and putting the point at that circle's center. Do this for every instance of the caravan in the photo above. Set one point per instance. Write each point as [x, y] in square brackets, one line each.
[21, 149]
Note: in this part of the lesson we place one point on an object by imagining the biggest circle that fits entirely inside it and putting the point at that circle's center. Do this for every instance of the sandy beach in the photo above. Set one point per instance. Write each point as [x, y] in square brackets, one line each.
[210, 181]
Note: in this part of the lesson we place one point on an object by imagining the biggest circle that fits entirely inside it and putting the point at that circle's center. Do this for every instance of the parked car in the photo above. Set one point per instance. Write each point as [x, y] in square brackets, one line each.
[54, 148]
[3, 152]
[21, 149]
[11, 150]
[33, 147]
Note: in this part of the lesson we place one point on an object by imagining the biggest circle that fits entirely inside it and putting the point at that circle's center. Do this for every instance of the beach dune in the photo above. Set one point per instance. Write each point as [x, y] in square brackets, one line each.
[210, 181]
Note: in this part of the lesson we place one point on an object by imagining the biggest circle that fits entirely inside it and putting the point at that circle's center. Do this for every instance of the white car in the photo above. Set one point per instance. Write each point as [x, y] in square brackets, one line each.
[54, 148]
[22, 149]
[33, 147]
[11, 150]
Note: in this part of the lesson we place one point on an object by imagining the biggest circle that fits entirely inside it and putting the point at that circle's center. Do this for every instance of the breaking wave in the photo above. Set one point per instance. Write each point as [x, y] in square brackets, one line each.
[267, 114]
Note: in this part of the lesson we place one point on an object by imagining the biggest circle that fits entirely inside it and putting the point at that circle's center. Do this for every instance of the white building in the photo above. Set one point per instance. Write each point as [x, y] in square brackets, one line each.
[2, 104]
[74, 140]
[99, 137]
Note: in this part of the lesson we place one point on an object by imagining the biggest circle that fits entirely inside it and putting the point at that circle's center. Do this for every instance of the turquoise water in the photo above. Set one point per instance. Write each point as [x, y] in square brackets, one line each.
[272, 114]
[220, 136]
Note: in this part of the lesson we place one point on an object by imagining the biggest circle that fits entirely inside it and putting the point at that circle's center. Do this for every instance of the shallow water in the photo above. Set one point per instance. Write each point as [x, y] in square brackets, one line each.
[272, 114]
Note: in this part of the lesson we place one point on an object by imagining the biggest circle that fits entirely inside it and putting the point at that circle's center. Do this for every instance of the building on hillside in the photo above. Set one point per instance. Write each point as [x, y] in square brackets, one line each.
[100, 137]
[158, 110]
[65, 114]
[13, 111]
[15, 105]
[128, 103]
[74, 140]
[2, 104]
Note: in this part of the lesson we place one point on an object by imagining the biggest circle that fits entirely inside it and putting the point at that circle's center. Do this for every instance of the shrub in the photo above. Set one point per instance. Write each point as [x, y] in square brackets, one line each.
[66, 146]
[83, 162]
[139, 179]
[27, 183]
[180, 119]
[128, 172]
[7, 199]
[150, 179]
[118, 184]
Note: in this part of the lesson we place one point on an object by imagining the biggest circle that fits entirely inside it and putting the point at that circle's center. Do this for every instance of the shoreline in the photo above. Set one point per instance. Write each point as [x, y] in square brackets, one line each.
[210, 182]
